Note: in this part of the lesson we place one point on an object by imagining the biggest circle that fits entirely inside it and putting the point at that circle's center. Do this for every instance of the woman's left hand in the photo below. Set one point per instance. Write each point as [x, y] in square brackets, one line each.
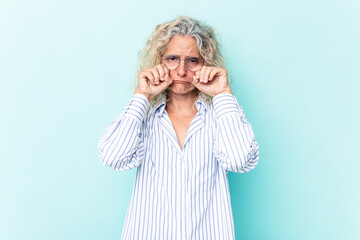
[211, 80]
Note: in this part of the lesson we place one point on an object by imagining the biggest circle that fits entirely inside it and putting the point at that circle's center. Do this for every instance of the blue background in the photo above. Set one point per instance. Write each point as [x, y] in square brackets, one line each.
[66, 72]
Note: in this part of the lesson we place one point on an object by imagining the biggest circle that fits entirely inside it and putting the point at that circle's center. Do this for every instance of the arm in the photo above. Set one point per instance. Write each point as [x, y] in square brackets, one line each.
[122, 146]
[235, 146]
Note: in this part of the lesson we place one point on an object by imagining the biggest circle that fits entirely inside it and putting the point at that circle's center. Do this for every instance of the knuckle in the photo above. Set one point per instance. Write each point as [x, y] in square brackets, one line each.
[165, 68]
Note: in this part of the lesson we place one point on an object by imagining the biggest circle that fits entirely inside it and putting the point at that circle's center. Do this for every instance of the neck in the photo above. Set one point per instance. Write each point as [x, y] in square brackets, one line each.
[182, 104]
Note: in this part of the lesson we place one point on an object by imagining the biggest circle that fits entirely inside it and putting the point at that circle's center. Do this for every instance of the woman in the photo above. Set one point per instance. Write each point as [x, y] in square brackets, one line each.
[183, 130]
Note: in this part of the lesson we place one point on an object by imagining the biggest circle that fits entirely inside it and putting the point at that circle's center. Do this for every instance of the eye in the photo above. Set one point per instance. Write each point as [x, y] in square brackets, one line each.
[193, 60]
[171, 58]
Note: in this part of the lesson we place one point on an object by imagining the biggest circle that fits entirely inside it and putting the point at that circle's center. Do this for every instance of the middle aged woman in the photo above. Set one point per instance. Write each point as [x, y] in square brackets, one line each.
[183, 130]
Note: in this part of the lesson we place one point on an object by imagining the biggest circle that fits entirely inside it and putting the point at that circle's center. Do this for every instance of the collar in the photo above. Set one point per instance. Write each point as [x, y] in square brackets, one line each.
[201, 104]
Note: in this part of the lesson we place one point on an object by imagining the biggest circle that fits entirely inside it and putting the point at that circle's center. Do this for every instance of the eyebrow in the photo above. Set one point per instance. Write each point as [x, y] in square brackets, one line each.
[173, 55]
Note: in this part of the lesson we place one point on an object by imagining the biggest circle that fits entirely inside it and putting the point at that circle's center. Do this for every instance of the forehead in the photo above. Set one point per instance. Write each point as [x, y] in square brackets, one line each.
[182, 45]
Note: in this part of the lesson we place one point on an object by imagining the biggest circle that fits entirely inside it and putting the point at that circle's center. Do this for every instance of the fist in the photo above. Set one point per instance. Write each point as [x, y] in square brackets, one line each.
[153, 81]
[211, 80]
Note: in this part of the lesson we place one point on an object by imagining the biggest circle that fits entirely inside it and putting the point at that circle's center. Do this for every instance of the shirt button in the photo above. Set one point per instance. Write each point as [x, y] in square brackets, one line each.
[139, 135]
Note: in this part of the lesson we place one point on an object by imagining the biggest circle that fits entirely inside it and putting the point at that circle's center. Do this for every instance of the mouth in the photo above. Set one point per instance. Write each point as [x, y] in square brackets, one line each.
[181, 82]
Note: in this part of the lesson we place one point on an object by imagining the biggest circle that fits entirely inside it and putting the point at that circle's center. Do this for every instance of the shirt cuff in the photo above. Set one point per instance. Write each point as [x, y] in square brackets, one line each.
[137, 106]
[225, 103]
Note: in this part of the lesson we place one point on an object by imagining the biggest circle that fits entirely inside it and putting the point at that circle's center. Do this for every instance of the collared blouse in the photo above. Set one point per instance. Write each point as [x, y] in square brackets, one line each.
[180, 193]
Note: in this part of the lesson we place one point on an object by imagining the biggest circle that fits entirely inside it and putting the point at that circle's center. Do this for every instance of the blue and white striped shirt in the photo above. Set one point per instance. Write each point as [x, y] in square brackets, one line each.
[180, 193]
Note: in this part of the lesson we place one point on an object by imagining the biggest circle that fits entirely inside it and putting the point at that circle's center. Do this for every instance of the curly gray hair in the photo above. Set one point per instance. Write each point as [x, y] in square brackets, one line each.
[157, 43]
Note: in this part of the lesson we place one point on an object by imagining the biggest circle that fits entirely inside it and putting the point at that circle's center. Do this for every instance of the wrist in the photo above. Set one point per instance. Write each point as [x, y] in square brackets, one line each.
[148, 96]
[225, 90]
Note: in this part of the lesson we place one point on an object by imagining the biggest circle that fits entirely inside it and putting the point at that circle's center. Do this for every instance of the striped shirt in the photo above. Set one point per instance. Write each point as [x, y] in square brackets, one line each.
[180, 193]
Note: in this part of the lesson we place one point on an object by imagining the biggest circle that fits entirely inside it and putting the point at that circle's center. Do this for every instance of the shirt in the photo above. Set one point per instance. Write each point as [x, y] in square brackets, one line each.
[180, 193]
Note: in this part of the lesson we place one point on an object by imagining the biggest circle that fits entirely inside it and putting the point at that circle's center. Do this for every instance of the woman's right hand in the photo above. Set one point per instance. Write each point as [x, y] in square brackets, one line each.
[153, 81]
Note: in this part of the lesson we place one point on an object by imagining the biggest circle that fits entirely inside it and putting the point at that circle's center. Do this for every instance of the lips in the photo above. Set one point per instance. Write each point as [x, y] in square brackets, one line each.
[179, 81]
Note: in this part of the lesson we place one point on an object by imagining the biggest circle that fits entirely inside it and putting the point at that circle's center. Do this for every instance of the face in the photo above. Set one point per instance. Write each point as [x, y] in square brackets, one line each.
[183, 46]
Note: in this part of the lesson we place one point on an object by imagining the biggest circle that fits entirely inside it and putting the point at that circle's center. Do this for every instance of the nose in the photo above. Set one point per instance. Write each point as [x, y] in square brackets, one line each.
[182, 69]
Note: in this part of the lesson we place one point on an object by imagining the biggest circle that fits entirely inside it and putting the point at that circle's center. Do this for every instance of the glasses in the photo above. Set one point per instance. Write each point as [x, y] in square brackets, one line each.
[191, 63]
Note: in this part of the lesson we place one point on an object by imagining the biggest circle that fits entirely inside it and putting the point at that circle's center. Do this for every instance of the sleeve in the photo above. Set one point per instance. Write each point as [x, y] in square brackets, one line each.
[235, 146]
[122, 146]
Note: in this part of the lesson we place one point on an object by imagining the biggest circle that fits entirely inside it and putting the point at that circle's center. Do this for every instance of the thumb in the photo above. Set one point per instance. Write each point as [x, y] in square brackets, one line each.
[195, 81]
[168, 79]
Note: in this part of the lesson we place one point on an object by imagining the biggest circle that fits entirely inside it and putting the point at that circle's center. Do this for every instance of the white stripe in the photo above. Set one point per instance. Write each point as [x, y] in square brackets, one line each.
[180, 193]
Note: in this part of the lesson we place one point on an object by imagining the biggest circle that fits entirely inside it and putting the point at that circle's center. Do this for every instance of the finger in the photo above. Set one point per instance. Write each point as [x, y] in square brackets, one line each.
[206, 74]
[212, 74]
[202, 71]
[156, 75]
[195, 80]
[162, 73]
[197, 74]
[168, 81]
[150, 77]
[167, 74]
[143, 75]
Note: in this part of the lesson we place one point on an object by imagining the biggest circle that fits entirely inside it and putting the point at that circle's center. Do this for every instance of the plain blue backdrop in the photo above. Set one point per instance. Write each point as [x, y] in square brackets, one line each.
[66, 72]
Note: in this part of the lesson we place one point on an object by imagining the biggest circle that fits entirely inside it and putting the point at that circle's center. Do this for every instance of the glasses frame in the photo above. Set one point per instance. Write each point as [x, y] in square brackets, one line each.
[203, 62]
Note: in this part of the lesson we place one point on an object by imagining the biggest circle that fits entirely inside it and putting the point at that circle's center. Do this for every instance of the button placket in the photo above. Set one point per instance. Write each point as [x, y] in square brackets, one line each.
[188, 199]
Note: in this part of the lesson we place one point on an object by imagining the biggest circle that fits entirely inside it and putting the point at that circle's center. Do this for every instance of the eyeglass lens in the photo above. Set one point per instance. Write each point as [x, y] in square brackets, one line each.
[192, 63]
